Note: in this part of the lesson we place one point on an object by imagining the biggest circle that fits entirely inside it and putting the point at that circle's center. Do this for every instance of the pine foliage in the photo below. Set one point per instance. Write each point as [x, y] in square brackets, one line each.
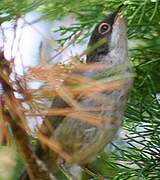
[139, 158]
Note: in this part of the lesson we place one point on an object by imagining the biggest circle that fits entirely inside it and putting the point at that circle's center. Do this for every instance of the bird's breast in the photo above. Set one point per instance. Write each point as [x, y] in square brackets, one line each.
[81, 139]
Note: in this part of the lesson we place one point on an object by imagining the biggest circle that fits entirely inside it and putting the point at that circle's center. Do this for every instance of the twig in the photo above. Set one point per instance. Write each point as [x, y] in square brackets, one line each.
[13, 115]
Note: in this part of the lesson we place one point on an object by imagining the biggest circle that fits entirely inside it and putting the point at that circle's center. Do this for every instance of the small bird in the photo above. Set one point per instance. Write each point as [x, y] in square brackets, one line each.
[82, 141]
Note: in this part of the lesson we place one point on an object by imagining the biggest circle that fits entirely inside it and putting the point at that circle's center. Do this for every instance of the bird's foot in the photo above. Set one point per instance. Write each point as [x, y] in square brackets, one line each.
[95, 175]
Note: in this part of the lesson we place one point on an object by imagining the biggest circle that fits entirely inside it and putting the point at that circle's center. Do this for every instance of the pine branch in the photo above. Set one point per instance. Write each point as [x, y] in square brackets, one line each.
[14, 116]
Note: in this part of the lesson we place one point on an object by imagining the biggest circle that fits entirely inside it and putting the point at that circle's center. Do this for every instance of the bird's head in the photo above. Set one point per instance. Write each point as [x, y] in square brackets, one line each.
[112, 31]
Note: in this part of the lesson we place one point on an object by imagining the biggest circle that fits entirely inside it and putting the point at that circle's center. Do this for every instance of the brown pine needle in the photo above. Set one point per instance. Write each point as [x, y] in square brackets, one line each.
[55, 146]
[94, 87]
[13, 105]
[87, 118]
[91, 67]
[65, 94]
[64, 111]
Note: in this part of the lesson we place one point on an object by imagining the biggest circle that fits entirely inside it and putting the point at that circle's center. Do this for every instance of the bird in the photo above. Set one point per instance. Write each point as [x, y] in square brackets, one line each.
[82, 141]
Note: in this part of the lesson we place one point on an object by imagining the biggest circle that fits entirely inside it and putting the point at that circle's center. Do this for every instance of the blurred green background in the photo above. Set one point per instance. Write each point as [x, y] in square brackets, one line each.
[136, 155]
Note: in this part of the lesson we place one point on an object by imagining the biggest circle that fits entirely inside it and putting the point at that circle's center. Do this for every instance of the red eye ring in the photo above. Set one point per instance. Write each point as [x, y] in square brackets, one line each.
[104, 28]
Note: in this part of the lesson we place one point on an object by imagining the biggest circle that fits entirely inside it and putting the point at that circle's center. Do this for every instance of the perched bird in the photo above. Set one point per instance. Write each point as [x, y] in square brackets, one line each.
[82, 141]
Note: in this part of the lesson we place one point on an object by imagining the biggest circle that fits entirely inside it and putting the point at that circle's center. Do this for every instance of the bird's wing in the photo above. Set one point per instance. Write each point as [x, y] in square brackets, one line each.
[50, 123]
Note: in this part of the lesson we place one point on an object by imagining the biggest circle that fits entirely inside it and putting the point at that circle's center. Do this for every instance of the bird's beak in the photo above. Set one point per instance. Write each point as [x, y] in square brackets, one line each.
[119, 31]
[119, 21]
[118, 44]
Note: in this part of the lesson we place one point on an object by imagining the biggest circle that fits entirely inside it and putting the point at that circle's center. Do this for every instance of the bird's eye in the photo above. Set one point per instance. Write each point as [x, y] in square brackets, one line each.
[104, 28]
